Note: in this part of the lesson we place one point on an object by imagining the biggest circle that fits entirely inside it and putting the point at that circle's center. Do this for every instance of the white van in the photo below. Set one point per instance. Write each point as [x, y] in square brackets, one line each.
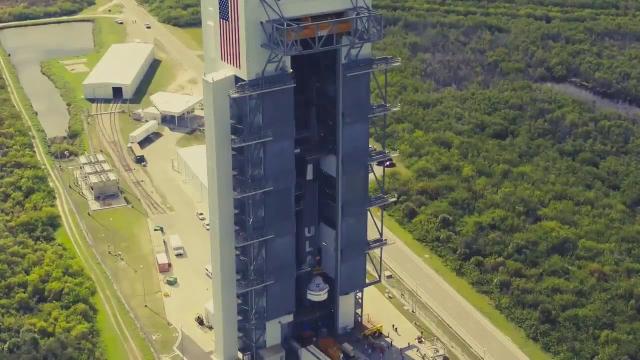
[176, 245]
[207, 271]
[348, 350]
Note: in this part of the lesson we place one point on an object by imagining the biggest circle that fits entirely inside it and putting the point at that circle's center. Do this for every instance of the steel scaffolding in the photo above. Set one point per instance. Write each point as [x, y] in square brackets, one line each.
[380, 198]
[356, 27]
[248, 140]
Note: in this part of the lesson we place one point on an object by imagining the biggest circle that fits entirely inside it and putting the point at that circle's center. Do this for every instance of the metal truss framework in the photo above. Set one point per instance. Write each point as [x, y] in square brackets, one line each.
[248, 140]
[377, 156]
[289, 37]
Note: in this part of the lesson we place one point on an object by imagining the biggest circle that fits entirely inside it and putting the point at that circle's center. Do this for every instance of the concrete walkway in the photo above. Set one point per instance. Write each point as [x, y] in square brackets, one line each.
[468, 322]
[403, 340]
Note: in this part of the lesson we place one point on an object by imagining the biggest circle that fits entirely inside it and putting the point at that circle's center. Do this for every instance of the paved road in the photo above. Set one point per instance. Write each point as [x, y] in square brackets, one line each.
[175, 49]
[485, 338]
[54, 20]
[193, 291]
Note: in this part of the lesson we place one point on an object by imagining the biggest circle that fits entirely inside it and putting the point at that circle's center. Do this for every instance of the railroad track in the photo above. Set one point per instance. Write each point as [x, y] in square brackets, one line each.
[107, 119]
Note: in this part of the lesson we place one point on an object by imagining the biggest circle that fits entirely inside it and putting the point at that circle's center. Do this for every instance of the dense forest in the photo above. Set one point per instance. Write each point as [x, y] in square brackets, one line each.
[531, 196]
[178, 13]
[46, 307]
[19, 10]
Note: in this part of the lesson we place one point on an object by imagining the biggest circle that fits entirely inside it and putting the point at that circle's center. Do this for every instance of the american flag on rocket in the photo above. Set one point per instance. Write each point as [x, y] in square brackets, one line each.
[229, 32]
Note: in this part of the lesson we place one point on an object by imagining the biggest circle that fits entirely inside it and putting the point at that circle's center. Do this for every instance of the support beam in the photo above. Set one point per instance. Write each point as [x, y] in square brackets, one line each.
[218, 137]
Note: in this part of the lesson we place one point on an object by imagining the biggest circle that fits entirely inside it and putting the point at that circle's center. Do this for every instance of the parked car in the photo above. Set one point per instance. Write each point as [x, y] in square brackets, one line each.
[119, 21]
[200, 215]
[147, 26]
[207, 271]
[206, 225]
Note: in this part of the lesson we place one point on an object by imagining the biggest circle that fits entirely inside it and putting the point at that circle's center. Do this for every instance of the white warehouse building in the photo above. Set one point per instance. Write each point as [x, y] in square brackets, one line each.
[119, 72]
[192, 164]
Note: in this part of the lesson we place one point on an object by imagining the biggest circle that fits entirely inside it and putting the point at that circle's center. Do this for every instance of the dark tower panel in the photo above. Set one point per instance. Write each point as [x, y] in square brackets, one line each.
[277, 108]
[353, 182]
[263, 181]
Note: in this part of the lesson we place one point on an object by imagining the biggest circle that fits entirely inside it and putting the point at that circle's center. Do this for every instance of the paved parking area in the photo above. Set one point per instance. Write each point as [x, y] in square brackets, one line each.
[402, 342]
[186, 299]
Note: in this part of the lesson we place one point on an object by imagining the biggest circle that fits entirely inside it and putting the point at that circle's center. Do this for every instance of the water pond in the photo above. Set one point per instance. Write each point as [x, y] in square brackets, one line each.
[28, 47]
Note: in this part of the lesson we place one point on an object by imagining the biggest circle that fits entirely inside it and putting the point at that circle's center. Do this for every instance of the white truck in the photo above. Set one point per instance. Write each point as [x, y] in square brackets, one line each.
[208, 314]
[176, 245]
[143, 131]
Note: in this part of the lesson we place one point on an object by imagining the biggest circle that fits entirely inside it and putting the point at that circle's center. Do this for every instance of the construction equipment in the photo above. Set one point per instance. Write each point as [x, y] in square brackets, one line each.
[371, 327]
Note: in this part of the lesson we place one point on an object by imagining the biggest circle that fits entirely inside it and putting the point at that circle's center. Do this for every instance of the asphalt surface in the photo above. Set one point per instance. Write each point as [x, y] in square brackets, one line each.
[468, 322]
[188, 298]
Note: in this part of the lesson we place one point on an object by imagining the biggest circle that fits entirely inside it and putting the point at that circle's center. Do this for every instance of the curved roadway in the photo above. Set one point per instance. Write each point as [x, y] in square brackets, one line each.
[461, 316]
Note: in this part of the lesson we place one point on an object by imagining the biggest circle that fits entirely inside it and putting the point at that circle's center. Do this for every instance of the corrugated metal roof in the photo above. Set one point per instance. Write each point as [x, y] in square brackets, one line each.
[172, 103]
[120, 64]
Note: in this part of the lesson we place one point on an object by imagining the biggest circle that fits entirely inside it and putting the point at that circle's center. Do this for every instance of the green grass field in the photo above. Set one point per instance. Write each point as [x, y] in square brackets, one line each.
[141, 343]
[479, 301]
[121, 238]
[190, 36]
[111, 344]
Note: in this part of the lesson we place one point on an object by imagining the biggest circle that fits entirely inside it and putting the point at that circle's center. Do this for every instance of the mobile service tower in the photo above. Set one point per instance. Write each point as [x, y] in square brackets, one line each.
[288, 110]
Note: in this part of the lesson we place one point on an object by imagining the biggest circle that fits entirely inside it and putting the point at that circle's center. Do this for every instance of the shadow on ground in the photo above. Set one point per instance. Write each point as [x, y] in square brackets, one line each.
[191, 350]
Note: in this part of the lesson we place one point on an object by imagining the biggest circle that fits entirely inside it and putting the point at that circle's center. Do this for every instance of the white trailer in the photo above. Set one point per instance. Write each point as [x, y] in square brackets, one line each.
[176, 245]
[143, 131]
[208, 314]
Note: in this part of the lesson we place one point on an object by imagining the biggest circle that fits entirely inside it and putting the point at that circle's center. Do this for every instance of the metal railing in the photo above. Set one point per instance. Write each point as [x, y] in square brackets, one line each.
[289, 37]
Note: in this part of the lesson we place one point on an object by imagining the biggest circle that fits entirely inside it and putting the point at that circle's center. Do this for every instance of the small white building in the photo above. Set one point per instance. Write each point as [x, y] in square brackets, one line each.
[103, 185]
[119, 72]
[192, 163]
[174, 107]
